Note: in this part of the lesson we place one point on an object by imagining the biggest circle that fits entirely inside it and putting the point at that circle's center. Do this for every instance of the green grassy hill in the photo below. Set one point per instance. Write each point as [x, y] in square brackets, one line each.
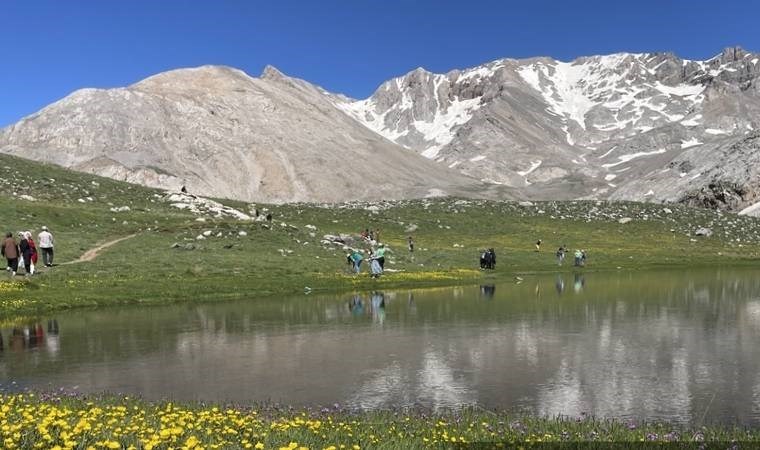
[165, 261]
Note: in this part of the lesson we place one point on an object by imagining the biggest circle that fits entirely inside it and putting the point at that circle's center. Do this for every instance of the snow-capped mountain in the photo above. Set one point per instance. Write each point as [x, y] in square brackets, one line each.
[223, 133]
[650, 127]
[621, 126]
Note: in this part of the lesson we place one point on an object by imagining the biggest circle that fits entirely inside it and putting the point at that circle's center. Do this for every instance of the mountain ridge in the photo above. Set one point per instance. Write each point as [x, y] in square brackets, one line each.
[631, 126]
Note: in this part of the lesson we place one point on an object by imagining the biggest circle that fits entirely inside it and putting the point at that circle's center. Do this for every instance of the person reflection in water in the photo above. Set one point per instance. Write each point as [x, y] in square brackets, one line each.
[487, 291]
[17, 341]
[378, 307]
[1, 342]
[356, 306]
[579, 282]
[559, 284]
[36, 335]
[52, 342]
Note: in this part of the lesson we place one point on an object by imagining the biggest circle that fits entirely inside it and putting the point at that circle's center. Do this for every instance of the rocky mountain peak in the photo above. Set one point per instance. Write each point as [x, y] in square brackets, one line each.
[272, 73]
[732, 54]
[633, 126]
[209, 78]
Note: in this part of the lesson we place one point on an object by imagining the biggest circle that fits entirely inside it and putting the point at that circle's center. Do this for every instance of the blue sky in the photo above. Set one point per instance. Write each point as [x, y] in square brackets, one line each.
[50, 48]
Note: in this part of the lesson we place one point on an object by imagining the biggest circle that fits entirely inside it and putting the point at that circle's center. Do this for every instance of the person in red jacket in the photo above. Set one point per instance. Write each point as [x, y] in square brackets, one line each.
[33, 247]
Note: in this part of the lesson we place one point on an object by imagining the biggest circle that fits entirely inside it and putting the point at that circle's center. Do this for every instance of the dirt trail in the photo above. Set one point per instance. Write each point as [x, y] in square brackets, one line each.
[92, 253]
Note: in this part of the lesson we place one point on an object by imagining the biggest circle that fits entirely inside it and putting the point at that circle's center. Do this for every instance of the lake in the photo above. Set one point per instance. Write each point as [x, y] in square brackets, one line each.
[681, 346]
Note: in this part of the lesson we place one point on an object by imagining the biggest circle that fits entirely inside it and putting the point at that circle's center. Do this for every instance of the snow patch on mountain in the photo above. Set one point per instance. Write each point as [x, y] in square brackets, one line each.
[533, 166]
[560, 86]
[693, 142]
[437, 131]
[364, 112]
[625, 158]
[441, 130]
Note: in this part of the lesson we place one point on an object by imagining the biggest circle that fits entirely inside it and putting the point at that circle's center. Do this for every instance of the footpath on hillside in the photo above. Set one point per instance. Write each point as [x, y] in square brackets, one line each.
[92, 253]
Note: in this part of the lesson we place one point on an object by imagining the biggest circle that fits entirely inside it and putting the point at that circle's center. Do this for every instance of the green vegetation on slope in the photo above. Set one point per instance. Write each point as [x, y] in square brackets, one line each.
[251, 258]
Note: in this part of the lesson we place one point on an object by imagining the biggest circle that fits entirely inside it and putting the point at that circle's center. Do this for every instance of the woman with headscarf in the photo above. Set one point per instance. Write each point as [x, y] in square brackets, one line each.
[26, 252]
[33, 246]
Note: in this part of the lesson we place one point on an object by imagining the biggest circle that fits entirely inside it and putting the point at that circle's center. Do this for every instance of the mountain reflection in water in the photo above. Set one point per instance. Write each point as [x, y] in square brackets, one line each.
[675, 346]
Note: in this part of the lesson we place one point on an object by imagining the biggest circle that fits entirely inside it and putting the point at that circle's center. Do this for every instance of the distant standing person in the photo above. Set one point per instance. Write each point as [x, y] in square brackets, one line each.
[411, 244]
[374, 265]
[380, 254]
[578, 255]
[11, 251]
[45, 241]
[560, 255]
[538, 245]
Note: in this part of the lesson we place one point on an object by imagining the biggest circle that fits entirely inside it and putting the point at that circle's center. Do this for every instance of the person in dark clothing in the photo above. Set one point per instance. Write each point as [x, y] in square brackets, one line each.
[11, 251]
[491, 259]
[560, 255]
[26, 252]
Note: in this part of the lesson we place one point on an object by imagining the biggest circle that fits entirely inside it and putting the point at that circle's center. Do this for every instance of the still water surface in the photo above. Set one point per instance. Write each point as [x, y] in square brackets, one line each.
[679, 346]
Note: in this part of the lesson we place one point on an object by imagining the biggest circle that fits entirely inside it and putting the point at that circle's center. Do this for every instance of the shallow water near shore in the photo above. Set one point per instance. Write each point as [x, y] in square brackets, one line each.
[680, 346]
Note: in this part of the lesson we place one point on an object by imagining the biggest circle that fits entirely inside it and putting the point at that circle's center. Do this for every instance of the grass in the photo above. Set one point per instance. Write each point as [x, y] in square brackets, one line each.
[29, 421]
[289, 256]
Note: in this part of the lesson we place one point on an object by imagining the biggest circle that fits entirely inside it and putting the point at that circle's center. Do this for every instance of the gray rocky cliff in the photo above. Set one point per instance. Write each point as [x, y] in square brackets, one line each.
[598, 127]
[225, 134]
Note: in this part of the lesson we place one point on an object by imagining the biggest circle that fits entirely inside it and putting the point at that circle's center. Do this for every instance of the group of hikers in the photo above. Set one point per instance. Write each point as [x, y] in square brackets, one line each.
[375, 256]
[488, 256]
[579, 255]
[23, 253]
[488, 259]
[374, 253]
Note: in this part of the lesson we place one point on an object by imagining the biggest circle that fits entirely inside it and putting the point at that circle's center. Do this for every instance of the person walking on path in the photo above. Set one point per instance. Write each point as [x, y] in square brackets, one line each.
[26, 253]
[45, 240]
[33, 246]
[11, 251]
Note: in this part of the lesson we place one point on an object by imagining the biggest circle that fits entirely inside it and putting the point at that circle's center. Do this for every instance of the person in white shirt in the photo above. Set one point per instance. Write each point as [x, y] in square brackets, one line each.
[45, 243]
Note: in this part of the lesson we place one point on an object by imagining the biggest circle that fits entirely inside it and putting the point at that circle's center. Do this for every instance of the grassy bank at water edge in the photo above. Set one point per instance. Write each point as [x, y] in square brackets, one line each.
[157, 250]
